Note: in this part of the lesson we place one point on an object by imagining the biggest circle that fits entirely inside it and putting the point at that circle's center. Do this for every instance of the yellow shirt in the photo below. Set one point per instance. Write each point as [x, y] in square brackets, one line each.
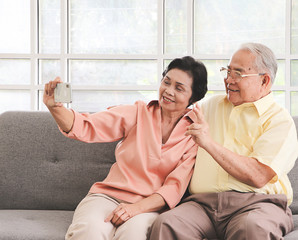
[262, 130]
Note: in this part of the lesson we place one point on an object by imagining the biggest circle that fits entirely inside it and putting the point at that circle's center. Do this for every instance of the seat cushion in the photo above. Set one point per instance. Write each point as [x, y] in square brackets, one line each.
[294, 234]
[34, 224]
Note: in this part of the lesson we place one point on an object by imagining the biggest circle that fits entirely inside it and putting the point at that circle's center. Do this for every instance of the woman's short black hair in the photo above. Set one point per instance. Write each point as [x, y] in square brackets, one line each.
[197, 70]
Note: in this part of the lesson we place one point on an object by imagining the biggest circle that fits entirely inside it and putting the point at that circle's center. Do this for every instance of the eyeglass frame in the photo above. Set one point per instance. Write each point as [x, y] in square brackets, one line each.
[240, 75]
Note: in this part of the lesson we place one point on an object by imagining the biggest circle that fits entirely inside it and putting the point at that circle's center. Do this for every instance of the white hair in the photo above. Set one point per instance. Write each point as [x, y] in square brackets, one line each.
[265, 59]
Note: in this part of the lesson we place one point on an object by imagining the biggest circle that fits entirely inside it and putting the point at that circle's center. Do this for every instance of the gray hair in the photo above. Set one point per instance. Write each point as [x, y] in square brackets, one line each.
[265, 58]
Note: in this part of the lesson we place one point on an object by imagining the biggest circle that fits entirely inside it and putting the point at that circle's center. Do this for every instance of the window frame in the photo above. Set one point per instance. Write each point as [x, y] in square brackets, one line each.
[64, 56]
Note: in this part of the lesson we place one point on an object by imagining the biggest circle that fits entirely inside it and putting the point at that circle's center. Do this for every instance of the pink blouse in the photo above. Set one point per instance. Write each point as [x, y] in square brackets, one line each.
[143, 164]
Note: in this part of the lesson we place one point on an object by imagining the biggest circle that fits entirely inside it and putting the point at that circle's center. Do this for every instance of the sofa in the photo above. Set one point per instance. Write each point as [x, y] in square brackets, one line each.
[44, 175]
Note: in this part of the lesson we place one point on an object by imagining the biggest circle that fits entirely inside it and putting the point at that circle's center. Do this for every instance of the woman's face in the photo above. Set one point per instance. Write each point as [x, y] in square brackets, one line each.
[175, 91]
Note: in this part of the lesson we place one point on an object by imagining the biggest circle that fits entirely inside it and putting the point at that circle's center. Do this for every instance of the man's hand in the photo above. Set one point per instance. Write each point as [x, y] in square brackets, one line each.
[199, 130]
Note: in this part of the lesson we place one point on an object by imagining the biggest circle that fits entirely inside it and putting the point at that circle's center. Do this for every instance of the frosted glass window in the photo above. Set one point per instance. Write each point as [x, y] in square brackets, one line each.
[280, 74]
[294, 103]
[15, 26]
[113, 27]
[114, 51]
[294, 73]
[94, 101]
[49, 70]
[41, 105]
[113, 72]
[280, 97]
[13, 100]
[49, 26]
[220, 26]
[176, 26]
[294, 26]
[14, 71]
[214, 76]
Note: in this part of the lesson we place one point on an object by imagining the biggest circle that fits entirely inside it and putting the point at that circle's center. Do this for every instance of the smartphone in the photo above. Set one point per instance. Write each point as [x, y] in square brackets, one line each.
[62, 93]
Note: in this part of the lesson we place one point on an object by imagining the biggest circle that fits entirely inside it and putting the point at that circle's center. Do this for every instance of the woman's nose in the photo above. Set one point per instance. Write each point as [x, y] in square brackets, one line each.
[169, 91]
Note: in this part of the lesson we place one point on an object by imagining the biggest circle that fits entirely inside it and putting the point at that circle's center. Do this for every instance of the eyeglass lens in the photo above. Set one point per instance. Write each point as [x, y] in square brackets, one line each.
[234, 74]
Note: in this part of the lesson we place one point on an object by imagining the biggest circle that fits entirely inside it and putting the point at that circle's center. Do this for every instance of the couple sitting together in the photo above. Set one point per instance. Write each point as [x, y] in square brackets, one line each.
[216, 170]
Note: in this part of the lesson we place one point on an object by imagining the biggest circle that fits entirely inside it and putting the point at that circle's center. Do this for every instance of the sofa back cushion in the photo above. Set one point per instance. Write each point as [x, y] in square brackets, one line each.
[42, 169]
[293, 175]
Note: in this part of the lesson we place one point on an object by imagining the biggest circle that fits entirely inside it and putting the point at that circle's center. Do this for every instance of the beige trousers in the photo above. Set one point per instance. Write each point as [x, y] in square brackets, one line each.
[88, 221]
[227, 216]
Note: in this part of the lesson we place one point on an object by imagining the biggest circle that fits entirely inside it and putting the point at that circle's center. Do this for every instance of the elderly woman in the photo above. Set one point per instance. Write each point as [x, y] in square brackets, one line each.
[154, 159]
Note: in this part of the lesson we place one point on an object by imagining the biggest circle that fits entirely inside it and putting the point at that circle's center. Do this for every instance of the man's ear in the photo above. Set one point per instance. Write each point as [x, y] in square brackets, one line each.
[266, 81]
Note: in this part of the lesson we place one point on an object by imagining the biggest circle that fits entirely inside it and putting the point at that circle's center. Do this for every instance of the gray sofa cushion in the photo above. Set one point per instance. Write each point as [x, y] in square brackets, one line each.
[294, 234]
[293, 176]
[34, 224]
[42, 169]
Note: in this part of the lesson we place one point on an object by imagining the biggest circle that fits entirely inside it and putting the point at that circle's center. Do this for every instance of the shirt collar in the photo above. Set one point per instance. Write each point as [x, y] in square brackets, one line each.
[190, 114]
[261, 105]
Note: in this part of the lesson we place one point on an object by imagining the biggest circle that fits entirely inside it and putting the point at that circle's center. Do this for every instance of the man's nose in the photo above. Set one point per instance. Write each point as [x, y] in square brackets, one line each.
[230, 79]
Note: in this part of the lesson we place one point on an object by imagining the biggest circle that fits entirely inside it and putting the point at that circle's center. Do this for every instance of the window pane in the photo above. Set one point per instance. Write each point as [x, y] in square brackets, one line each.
[113, 72]
[113, 26]
[280, 74]
[14, 71]
[94, 101]
[49, 26]
[294, 73]
[12, 100]
[280, 97]
[222, 25]
[176, 26]
[294, 103]
[294, 25]
[15, 26]
[41, 105]
[49, 70]
[214, 76]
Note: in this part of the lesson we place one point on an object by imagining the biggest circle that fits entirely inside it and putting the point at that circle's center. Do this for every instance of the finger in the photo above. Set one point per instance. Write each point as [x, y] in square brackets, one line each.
[112, 216]
[59, 104]
[194, 126]
[109, 217]
[46, 87]
[193, 132]
[199, 114]
[114, 213]
[122, 219]
[53, 84]
[57, 80]
[118, 217]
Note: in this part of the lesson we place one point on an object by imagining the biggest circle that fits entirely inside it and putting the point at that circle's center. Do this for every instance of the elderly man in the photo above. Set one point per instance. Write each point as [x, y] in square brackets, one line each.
[240, 188]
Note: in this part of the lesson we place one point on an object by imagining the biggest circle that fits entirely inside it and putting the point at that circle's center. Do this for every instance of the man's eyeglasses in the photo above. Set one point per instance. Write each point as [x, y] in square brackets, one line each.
[236, 75]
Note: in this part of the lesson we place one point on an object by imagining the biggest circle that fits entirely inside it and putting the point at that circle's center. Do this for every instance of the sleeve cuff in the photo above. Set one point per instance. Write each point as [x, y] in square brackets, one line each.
[170, 195]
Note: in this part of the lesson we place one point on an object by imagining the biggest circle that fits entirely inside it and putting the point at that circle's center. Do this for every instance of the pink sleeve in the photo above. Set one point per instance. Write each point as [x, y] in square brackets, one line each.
[177, 181]
[106, 126]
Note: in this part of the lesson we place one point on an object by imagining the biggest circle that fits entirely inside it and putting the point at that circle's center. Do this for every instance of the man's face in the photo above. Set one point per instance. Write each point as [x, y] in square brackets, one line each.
[248, 89]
